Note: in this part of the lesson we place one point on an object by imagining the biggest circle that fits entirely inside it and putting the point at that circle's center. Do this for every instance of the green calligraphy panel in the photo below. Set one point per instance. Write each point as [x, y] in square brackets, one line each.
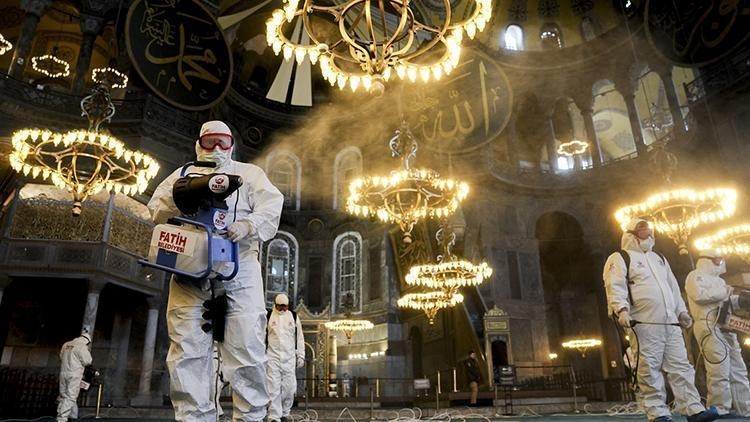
[462, 111]
[697, 32]
[180, 52]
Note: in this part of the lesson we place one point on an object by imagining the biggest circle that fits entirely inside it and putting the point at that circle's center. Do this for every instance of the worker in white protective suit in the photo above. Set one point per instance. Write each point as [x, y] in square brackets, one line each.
[286, 351]
[726, 373]
[254, 213]
[74, 357]
[646, 298]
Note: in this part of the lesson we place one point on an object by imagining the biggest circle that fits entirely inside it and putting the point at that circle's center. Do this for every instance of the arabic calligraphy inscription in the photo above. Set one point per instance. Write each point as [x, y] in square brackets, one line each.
[697, 32]
[180, 52]
[464, 110]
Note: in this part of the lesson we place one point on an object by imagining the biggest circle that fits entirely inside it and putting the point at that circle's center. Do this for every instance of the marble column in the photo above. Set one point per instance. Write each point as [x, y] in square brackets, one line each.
[673, 100]
[149, 346]
[121, 331]
[34, 10]
[551, 144]
[628, 94]
[92, 306]
[596, 150]
[91, 26]
[332, 365]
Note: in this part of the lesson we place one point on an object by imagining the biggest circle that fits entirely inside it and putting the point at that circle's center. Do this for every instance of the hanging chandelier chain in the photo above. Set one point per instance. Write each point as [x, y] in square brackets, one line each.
[447, 239]
[664, 162]
[97, 107]
[402, 140]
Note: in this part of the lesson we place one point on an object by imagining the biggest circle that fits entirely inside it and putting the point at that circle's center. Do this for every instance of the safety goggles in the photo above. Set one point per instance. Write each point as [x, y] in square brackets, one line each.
[210, 141]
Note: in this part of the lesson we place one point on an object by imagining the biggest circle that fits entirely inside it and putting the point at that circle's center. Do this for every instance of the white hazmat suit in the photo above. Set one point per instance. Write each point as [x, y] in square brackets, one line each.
[254, 212]
[726, 373]
[74, 357]
[286, 351]
[657, 305]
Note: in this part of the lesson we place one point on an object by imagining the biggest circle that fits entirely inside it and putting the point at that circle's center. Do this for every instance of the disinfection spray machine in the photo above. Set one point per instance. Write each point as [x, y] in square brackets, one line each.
[194, 246]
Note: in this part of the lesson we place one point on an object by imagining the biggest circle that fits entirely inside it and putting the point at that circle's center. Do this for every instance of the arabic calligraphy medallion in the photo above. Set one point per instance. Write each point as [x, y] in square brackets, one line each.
[180, 52]
[697, 32]
[464, 110]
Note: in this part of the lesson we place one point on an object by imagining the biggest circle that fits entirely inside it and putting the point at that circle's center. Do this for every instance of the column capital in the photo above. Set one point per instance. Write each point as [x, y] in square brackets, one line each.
[35, 7]
[585, 103]
[96, 285]
[625, 87]
[98, 7]
[91, 24]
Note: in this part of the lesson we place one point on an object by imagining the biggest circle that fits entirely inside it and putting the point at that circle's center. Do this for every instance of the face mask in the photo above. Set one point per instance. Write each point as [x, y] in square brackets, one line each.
[646, 244]
[217, 156]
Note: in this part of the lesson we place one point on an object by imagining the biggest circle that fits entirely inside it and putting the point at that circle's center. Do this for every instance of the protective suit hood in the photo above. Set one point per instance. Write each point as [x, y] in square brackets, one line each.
[217, 155]
[630, 242]
[281, 299]
[706, 266]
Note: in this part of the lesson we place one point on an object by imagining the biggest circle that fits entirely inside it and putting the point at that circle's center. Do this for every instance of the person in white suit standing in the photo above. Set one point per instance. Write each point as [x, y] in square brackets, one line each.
[286, 352]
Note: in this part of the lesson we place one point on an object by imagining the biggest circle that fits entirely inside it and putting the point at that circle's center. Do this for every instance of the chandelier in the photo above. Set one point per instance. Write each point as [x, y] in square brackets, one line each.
[110, 76]
[659, 120]
[574, 147]
[582, 345]
[349, 326]
[733, 240]
[83, 161]
[369, 42]
[407, 195]
[5, 45]
[50, 65]
[676, 213]
[430, 302]
[449, 273]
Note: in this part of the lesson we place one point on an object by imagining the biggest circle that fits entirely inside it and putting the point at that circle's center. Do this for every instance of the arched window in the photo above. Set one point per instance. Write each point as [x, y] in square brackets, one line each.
[588, 28]
[280, 265]
[284, 171]
[611, 122]
[652, 106]
[513, 38]
[347, 273]
[550, 36]
[347, 166]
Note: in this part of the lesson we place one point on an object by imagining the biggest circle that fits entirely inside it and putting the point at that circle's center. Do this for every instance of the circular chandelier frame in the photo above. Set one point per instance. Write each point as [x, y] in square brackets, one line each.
[733, 240]
[430, 302]
[574, 147]
[676, 213]
[62, 158]
[450, 273]
[407, 195]
[582, 345]
[349, 326]
[83, 162]
[5, 45]
[44, 65]
[382, 51]
[109, 75]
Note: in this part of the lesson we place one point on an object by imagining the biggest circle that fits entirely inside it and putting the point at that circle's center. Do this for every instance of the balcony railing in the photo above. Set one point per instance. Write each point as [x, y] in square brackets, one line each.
[41, 238]
[719, 77]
